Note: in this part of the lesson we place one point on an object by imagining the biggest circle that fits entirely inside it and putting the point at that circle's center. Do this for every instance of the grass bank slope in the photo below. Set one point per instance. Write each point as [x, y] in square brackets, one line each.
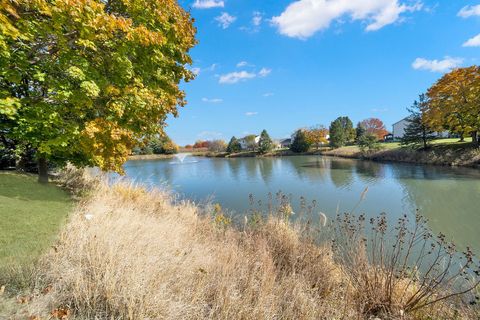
[30, 218]
[132, 253]
[447, 152]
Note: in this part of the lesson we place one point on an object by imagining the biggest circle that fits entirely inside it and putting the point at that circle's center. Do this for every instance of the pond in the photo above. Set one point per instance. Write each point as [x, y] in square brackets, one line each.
[448, 197]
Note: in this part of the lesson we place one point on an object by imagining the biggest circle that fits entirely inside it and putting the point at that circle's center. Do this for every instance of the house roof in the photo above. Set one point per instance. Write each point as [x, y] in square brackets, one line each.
[406, 118]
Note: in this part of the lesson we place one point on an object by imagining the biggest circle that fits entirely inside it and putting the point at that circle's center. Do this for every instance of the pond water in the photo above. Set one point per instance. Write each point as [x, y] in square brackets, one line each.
[448, 197]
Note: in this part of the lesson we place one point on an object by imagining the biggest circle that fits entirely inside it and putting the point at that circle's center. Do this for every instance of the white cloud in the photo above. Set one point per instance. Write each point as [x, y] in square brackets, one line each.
[473, 42]
[469, 11]
[212, 100]
[207, 4]
[196, 70]
[303, 18]
[225, 20]
[242, 64]
[251, 113]
[437, 65]
[234, 77]
[257, 18]
[264, 72]
[268, 94]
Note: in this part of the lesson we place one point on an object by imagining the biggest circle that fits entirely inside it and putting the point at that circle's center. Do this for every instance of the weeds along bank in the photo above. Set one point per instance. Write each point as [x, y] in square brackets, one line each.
[132, 253]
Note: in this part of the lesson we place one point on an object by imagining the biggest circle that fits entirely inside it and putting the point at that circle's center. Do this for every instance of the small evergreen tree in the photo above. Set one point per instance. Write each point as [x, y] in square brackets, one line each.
[360, 131]
[416, 132]
[234, 145]
[368, 143]
[300, 142]
[341, 132]
[265, 144]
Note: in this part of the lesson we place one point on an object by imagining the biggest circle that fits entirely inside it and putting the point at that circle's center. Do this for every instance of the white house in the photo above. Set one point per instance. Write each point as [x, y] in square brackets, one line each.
[244, 143]
[282, 143]
[400, 126]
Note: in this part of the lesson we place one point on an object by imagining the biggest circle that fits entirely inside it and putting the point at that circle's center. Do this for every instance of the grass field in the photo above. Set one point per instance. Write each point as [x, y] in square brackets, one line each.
[30, 217]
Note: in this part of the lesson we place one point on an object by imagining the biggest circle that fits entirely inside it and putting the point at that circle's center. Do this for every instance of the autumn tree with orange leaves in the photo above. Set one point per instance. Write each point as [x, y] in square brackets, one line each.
[374, 127]
[84, 81]
[454, 103]
[317, 136]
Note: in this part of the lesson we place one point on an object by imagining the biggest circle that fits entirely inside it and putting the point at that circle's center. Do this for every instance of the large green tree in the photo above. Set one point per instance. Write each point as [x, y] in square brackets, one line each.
[300, 142]
[84, 81]
[265, 143]
[341, 132]
[454, 103]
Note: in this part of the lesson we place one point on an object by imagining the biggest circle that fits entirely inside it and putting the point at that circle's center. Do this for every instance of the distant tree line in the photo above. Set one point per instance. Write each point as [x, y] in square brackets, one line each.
[452, 104]
[157, 145]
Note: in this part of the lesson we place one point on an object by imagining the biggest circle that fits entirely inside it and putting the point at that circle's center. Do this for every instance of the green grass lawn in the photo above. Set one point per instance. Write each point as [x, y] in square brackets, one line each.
[30, 217]
[453, 143]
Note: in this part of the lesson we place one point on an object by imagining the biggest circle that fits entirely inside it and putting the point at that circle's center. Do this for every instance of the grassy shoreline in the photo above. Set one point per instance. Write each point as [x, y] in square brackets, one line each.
[445, 152]
[30, 214]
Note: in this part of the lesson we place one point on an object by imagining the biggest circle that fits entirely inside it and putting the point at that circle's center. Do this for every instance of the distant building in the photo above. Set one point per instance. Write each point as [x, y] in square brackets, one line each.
[245, 145]
[285, 143]
[400, 126]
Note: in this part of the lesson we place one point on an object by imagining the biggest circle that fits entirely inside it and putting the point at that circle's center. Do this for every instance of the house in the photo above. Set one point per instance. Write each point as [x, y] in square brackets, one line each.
[249, 142]
[400, 126]
[284, 143]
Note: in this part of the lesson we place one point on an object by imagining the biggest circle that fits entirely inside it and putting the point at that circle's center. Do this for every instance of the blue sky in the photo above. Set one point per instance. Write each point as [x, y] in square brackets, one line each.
[282, 64]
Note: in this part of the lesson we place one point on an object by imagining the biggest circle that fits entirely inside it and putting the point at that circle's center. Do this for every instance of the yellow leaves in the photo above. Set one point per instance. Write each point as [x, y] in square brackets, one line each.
[145, 37]
[90, 88]
[111, 90]
[220, 219]
[87, 44]
[75, 73]
[108, 143]
[9, 106]
[454, 101]
[6, 25]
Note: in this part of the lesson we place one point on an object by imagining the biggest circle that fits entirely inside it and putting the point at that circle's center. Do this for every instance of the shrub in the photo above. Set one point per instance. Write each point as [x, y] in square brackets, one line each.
[400, 270]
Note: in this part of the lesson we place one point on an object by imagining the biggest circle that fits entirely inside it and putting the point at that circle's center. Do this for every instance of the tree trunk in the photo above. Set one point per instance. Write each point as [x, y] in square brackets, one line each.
[424, 139]
[475, 138]
[42, 170]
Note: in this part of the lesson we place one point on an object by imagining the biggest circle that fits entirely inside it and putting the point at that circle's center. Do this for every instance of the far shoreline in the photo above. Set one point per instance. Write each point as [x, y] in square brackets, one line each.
[454, 155]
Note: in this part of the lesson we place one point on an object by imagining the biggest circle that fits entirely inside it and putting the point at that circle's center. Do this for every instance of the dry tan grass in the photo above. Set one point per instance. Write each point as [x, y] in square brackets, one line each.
[139, 256]
[130, 253]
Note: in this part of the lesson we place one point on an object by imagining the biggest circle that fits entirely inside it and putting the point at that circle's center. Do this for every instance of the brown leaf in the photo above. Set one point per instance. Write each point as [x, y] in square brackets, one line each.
[47, 289]
[24, 299]
[60, 313]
